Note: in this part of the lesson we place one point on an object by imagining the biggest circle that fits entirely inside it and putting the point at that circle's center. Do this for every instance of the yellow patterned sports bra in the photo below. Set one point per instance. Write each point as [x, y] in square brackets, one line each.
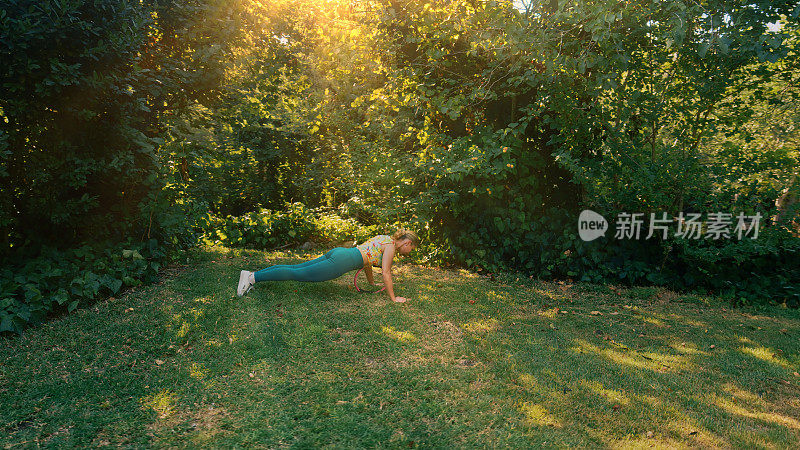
[374, 250]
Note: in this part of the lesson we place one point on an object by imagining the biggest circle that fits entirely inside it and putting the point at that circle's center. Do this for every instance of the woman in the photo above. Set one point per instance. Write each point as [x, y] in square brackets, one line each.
[379, 251]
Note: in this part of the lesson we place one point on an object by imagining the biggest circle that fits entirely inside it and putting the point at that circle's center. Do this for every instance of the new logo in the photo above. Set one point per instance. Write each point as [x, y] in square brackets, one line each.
[591, 225]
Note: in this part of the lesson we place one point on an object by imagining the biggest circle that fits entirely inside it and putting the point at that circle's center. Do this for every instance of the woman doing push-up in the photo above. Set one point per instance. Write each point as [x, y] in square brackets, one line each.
[378, 251]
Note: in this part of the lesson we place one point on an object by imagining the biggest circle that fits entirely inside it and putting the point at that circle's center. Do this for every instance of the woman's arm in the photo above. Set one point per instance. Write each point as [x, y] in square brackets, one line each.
[368, 273]
[386, 272]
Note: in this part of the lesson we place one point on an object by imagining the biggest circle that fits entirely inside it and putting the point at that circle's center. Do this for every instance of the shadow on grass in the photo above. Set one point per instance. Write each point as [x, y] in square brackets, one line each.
[465, 363]
[638, 374]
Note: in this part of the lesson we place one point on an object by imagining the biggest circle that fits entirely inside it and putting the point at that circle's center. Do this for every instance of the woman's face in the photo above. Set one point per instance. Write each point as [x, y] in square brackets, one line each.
[405, 246]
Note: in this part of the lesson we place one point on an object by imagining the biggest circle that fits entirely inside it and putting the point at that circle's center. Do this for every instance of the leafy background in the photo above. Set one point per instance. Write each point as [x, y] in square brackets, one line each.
[133, 131]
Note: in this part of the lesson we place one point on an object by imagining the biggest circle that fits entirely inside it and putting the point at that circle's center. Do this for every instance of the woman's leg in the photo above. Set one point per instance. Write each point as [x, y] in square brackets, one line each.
[332, 265]
[292, 266]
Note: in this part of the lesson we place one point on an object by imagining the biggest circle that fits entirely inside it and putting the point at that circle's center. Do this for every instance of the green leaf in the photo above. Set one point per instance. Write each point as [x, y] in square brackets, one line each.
[724, 44]
[6, 324]
[61, 296]
[703, 49]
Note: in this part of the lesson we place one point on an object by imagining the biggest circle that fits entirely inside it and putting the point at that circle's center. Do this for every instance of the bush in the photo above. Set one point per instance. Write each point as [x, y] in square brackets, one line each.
[268, 229]
[762, 270]
[333, 228]
[749, 271]
[63, 280]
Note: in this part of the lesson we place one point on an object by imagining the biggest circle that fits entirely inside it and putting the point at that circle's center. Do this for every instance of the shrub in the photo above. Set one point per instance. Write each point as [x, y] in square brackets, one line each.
[268, 229]
[63, 280]
[762, 270]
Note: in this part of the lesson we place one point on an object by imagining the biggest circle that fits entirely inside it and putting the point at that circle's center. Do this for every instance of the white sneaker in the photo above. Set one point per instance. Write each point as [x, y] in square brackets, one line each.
[244, 283]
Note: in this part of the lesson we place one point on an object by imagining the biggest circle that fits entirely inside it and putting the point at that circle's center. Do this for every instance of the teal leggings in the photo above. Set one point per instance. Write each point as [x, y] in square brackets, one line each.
[333, 264]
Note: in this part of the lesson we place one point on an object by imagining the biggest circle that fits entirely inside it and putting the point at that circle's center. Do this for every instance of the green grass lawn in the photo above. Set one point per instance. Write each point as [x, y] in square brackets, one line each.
[186, 363]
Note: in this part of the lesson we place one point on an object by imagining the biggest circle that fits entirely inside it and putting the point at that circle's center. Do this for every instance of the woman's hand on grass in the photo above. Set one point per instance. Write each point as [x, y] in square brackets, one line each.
[400, 299]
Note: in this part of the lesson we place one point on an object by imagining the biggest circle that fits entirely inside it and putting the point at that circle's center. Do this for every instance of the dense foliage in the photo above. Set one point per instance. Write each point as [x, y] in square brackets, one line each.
[294, 225]
[491, 128]
[91, 92]
[63, 280]
[485, 126]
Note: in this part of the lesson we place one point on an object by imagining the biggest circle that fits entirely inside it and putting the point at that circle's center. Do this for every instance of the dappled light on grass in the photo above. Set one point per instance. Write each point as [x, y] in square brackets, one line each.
[685, 431]
[766, 354]
[529, 382]
[182, 323]
[696, 323]
[671, 318]
[612, 395]
[400, 336]
[484, 325]
[550, 313]
[310, 364]
[214, 343]
[184, 329]
[641, 360]
[688, 348]
[196, 371]
[732, 407]
[425, 297]
[537, 415]
[740, 393]
[426, 287]
[466, 273]
[494, 295]
[546, 293]
[162, 403]
[653, 320]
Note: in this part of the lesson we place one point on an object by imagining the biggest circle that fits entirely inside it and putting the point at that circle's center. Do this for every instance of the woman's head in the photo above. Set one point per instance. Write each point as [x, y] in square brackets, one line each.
[406, 240]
